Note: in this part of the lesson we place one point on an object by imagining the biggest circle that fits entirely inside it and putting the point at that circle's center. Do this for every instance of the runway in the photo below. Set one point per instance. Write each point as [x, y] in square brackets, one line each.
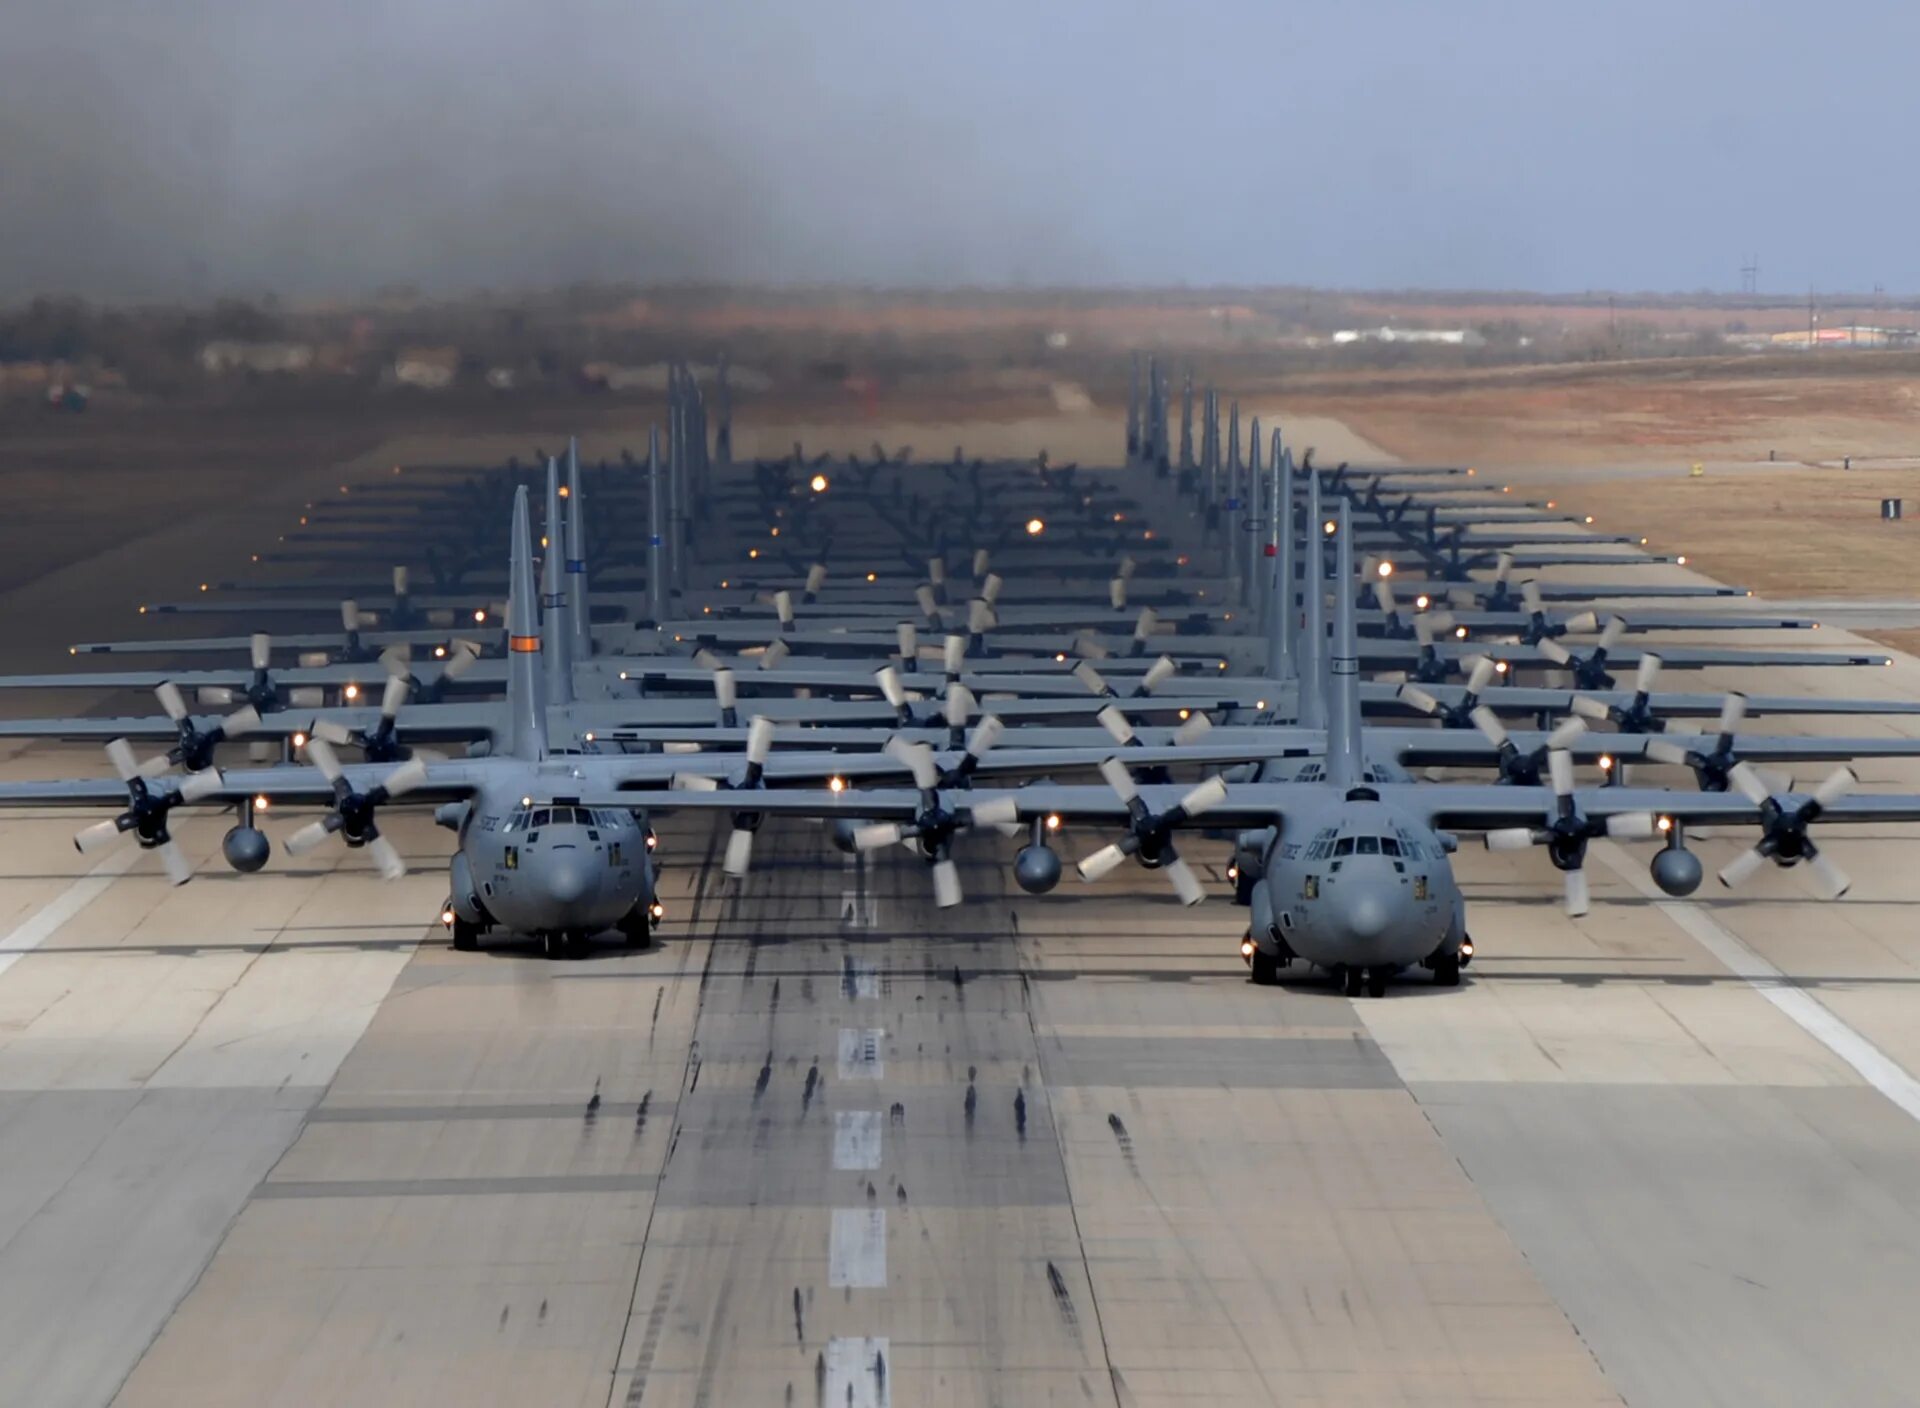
[271, 1141]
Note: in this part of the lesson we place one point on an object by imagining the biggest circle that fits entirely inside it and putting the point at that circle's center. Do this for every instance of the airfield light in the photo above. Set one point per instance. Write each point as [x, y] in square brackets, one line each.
[143, 610]
[343, 488]
[351, 693]
[818, 483]
[299, 740]
[203, 586]
[1036, 526]
[1587, 519]
[73, 650]
[1060, 657]
[1228, 616]
[543, 540]
[1147, 536]
[1259, 703]
[1506, 488]
[262, 802]
[1643, 542]
[775, 531]
[446, 917]
[724, 584]
[589, 735]
[623, 674]
[1682, 560]
[1223, 664]
[836, 785]
[1119, 518]
[1423, 601]
[1246, 948]
[1386, 569]
[1469, 471]
[256, 557]
[1182, 560]
[1550, 503]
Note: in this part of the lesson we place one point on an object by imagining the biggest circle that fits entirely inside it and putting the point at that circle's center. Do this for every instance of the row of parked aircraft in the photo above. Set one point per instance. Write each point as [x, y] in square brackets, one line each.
[914, 653]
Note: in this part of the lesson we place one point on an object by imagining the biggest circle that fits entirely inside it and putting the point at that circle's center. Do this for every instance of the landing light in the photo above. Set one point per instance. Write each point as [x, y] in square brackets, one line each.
[1259, 703]
[652, 840]
[1182, 560]
[1499, 667]
[446, 917]
[564, 492]
[1329, 526]
[439, 652]
[724, 584]
[1466, 945]
[657, 910]
[1148, 535]
[1053, 821]
[1587, 519]
[1459, 632]
[1423, 601]
[1119, 518]
[1246, 948]
[1682, 560]
[526, 801]
[873, 576]
[818, 483]
[774, 531]
[299, 740]
[1060, 657]
[1551, 504]
[1233, 872]
[1185, 714]
[1036, 526]
[203, 586]
[836, 785]
[753, 553]
[479, 615]
[351, 693]
[1665, 823]
[1606, 762]
[261, 802]
[589, 735]
[1386, 569]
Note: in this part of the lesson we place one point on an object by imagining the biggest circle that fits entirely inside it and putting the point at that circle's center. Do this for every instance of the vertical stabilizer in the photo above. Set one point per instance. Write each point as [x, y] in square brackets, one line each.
[579, 609]
[1280, 536]
[526, 690]
[556, 621]
[1313, 648]
[1345, 764]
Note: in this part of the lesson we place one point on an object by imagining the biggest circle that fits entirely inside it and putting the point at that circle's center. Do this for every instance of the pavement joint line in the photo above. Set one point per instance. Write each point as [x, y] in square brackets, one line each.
[1798, 1005]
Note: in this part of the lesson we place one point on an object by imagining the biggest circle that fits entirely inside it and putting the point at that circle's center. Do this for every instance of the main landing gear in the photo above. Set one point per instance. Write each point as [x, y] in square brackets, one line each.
[1354, 980]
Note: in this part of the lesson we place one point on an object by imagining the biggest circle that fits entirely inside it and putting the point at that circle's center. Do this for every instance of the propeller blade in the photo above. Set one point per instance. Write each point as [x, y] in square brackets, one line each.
[1482, 674]
[307, 697]
[1743, 867]
[929, 605]
[693, 782]
[1091, 678]
[759, 740]
[816, 577]
[171, 704]
[1590, 708]
[1581, 624]
[1530, 597]
[1733, 711]
[1662, 750]
[462, 657]
[1102, 862]
[1647, 672]
[1503, 568]
[120, 754]
[1632, 826]
[917, 758]
[726, 689]
[707, 660]
[174, 861]
[1555, 652]
[1838, 783]
[1119, 779]
[996, 811]
[393, 697]
[1560, 772]
[981, 557]
[953, 654]
[891, 689]
[877, 836]
[783, 607]
[1185, 883]
[1158, 673]
[89, 839]
[1117, 593]
[198, 786]
[306, 838]
[775, 652]
[350, 615]
[386, 858]
[1568, 731]
[1197, 727]
[739, 857]
[333, 731]
[1489, 724]
[260, 648]
[908, 637]
[959, 705]
[979, 617]
[397, 660]
[1115, 723]
[1418, 698]
[1833, 882]
[946, 884]
[1749, 783]
[1510, 838]
[1579, 898]
[403, 779]
[1148, 622]
[320, 753]
[240, 722]
[1205, 797]
[1610, 633]
[156, 766]
[217, 695]
[986, 736]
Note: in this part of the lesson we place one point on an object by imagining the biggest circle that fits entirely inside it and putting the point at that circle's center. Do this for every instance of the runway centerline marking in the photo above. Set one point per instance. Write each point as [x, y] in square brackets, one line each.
[1799, 1006]
[860, 1057]
[856, 1139]
[857, 1373]
[857, 1250]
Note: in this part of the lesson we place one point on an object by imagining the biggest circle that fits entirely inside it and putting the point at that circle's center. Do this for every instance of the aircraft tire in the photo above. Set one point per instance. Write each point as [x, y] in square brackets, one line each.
[466, 937]
[637, 929]
[1446, 971]
[553, 947]
[1263, 969]
[1376, 982]
[1350, 981]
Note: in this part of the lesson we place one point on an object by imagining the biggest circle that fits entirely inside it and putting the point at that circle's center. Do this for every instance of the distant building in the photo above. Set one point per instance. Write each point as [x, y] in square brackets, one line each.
[1447, 337]
[1850, 336]
[429, 368]
[221, 358]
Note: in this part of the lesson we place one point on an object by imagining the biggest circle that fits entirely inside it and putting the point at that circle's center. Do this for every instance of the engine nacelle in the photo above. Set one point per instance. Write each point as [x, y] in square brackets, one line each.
[1036, 869]
[245, 848]
[841, 830]
[463, 894]
[452, 815]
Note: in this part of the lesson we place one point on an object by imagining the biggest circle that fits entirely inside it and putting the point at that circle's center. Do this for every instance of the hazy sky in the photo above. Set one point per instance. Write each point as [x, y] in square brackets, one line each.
[183, 147]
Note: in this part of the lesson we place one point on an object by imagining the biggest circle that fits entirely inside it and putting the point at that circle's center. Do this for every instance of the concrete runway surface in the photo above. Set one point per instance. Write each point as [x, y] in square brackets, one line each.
[268, 1140]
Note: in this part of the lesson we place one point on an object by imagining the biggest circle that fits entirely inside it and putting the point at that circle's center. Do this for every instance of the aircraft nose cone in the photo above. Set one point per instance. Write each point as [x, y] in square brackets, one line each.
[1365, 913]
[569, 879]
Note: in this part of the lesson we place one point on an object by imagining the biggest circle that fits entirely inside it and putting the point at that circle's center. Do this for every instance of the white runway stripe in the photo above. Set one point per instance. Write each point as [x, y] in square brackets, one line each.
[1807, 1012]
[64, 906]
[857, 1251]
[856, 1139]
[857, 1373]
[860, 1057]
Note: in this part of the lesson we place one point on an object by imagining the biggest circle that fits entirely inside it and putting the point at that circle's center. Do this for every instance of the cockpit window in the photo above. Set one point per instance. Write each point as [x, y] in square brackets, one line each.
[1389, 846]
[542, 818]
[1367, 845]
[1344, 846]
